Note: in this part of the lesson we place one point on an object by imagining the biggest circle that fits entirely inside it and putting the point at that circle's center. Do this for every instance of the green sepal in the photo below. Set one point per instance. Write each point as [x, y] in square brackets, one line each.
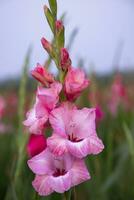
[60, 38]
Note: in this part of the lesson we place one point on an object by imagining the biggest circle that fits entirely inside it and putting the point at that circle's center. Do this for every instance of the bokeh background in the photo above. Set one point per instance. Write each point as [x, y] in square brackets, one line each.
[105, 33]
[100, 38]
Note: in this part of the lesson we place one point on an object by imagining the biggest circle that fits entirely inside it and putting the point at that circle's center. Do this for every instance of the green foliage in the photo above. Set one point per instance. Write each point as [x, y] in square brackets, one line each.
[50, 18]
[53, 7]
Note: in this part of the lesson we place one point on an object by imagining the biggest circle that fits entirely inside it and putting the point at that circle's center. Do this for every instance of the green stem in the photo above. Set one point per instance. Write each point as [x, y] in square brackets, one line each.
[67, 195]
[74, 194]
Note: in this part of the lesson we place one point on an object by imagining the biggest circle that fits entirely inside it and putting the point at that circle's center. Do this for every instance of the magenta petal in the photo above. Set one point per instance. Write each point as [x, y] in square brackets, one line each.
[42, 186]
[36, 144]
[79, 172]
[57, 145]
[62, 183]
[42, 163]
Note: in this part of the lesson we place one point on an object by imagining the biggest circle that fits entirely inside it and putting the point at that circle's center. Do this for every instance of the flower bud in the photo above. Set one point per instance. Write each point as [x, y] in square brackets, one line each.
[65, 60]
[59, 25]
[36, 144]
[46, 45]
[42, 75]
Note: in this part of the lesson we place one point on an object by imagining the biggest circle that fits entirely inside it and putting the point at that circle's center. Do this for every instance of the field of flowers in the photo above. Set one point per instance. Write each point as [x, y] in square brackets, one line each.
[67, 136]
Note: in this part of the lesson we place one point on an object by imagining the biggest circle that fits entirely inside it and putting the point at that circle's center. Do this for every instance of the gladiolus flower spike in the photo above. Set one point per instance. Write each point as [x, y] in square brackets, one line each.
[58, 160]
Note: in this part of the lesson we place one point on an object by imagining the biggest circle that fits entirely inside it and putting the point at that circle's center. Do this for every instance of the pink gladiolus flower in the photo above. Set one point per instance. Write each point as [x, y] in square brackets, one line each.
[57, 174]
[75, 83]
[65, 60]
[74, 131]
[36, 144]
[46, 100]
[42, 75]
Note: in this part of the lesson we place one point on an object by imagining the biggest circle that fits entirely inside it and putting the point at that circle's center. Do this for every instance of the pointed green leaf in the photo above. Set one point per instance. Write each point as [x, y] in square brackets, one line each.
[50, 18]
[53, 7]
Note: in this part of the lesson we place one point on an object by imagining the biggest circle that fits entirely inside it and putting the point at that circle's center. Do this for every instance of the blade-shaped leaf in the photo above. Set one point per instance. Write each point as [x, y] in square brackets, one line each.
[53, 7]
[50, 18]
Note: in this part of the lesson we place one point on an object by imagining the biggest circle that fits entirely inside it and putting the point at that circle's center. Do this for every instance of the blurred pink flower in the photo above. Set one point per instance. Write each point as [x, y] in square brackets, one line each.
[99, 113]
[36, 144]
[57, 174]
[74, 131]
[75, 83]
[2, 106]
[118, 95]
[5, 128]
[42, 75]
[46, 100]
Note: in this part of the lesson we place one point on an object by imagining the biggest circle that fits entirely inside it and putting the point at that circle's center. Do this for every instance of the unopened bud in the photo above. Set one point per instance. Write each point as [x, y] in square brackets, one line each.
[46, 45]
[42, 75]
[65, 60]
[59, 25]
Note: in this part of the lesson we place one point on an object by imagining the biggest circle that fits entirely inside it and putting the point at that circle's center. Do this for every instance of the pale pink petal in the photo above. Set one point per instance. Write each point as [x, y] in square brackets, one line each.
[79, 172]
[42, 163]
[30, 117]
[42, 185]
[90, 145]
[96, 145]
[57, 87]
[57, 145]
[82, 123]
[49, 97]
[61, 184]
[78, 149]
[60, 117]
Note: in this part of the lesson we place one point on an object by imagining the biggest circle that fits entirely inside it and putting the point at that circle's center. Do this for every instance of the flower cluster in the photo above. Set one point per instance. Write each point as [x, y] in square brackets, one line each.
[61, 165]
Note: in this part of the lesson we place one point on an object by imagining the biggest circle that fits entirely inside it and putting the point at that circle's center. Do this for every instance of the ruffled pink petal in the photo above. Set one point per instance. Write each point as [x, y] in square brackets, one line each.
[36, 118]
[96, 145]
[79, 172]
[30, 117]
[57, 145]
[49, 97]
[42, 163]
[82, 123]
[61, 184]
[78, 149]
[57, 87]
[90, 145]
[42, 185]
[60, 117]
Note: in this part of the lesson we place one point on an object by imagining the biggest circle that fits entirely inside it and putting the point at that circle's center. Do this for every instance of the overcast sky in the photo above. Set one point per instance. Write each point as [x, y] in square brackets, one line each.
[106, 28]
